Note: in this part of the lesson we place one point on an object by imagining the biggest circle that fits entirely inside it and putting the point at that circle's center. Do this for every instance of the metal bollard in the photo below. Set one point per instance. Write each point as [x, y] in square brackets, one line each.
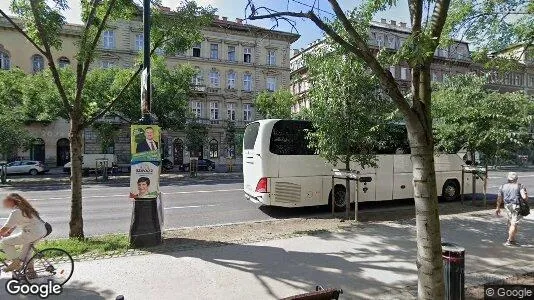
[453, 271]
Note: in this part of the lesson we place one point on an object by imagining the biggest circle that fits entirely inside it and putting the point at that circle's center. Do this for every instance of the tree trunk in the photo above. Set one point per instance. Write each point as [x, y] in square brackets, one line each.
[76, 152]
[419, 126]
[347, 190]
[429, 263]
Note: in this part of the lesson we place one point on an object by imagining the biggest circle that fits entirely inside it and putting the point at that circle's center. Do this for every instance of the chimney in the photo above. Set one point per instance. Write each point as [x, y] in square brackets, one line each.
[225, 19]
[165, 8]
[403, 24]
[239, 21]
[393, 23]
[383, 21]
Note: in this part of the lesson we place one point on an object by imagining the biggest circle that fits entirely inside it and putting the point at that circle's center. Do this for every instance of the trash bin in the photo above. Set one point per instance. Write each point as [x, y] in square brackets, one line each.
[453, 270]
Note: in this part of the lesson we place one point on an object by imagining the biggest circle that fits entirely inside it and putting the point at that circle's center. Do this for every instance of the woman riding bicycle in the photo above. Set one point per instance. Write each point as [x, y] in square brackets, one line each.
[26, 218]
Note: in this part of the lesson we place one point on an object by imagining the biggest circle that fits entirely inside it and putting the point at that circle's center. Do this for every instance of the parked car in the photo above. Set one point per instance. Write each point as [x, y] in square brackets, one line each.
[89, 162]
[31, 167]
[203, 165]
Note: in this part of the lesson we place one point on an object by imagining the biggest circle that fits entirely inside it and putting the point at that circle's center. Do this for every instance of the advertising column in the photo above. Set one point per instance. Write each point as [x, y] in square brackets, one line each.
[145, 228]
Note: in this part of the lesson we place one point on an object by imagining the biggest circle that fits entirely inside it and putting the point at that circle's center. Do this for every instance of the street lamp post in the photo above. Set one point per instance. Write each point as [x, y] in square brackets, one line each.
[146, 91]
[145, 228]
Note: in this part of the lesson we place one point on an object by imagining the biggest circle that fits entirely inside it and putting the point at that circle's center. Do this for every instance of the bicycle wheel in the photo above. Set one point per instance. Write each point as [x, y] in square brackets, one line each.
[49, 264]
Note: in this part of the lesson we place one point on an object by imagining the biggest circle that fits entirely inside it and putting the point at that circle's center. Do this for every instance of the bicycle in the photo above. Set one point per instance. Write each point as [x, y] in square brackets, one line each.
[50, 264]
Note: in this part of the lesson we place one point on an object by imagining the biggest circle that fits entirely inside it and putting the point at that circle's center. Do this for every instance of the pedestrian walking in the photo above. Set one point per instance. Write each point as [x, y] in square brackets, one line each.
[511, 193]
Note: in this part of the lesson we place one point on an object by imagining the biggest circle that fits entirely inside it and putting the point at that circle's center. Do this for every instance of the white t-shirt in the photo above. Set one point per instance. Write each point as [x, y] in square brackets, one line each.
[16, 219]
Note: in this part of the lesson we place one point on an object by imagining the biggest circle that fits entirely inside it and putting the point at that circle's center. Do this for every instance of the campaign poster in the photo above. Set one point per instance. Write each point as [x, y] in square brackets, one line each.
[145, 143]
[144, 180]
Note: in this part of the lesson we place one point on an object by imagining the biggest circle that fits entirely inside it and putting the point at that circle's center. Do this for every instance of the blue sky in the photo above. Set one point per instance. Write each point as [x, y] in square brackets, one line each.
[236, 9]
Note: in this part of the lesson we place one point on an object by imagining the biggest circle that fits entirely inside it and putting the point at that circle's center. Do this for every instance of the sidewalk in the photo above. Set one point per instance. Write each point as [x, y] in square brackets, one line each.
[369, 261]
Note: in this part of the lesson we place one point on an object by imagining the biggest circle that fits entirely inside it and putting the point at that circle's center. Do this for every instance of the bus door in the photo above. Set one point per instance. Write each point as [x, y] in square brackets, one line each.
[384, 178]
[402, 176]
[252, 169]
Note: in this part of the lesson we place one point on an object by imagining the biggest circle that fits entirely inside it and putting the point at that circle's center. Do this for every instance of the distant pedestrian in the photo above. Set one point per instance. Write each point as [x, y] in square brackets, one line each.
[511, 193]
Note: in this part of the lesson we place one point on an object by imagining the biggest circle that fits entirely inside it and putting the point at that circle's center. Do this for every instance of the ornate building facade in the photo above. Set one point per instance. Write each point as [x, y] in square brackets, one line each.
[455, 59]
[235, 61]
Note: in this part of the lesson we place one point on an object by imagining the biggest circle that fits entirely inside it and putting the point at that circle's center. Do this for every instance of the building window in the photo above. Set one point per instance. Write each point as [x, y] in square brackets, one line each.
[271, 58]
[196, 50]
[139, 42]
[4, 61]
[393, 71]
[434, 77]
[404, 73]
[214, 112]
[231, 53]
[198, 79]
[231, 80]
[37, 63]
[247, 112]
[247, 55]
[214, 51]
[247, 82]
[271, 84]
[214, 79]
[391, 42]
[108, 37]
[230, 110]
[107, 64]
[379, 40]
[197, 109]
[214, 149]
[63, 62]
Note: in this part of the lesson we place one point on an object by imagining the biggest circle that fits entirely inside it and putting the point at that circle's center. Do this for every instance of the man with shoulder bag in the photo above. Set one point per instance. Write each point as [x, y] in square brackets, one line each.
[514, 195]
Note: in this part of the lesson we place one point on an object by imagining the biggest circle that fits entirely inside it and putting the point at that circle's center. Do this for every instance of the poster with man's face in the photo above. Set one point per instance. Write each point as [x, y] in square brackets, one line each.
[144, 180]
[145, 143]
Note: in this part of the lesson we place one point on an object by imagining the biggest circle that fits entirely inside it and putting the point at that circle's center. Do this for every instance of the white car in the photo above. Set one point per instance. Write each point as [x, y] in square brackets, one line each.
[31, 167]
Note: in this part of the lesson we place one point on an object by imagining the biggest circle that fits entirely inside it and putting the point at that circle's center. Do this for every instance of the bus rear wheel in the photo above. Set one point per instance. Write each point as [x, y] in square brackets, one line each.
[339, 200]
[451, 190]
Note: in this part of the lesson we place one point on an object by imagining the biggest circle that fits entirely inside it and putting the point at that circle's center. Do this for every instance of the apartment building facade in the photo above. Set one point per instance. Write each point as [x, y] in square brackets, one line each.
[234, 61]
[455, 59]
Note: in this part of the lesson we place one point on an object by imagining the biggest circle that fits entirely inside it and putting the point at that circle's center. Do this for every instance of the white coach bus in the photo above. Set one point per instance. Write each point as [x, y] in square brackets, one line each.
[281, 170]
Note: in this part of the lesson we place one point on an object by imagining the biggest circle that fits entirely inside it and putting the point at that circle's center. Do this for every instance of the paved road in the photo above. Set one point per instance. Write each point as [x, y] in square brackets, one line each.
[210, 201]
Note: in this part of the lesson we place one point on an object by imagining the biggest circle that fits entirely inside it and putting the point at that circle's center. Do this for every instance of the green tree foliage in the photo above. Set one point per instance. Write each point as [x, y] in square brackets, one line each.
[41, 23]
[230, 139]
[170, 95]
[13, 135]
[469, 116]
[196, 137]
[349, 113]
[275, 105]
[493, 26]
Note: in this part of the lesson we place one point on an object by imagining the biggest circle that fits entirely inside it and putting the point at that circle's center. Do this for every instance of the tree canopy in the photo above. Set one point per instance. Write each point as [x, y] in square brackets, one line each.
[349, 113]
[469, 116]
[275, 105]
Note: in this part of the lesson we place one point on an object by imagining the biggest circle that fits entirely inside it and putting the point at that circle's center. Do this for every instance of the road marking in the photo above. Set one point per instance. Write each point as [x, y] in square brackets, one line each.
[208, 191]
[190, 206]
[126, 195]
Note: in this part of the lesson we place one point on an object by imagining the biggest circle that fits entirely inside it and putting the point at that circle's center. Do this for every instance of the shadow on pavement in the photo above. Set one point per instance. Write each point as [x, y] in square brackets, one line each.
[367, 260]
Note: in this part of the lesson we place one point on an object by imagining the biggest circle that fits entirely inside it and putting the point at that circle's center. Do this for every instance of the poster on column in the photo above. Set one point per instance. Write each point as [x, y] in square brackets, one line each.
[145, 143]
[144, 180]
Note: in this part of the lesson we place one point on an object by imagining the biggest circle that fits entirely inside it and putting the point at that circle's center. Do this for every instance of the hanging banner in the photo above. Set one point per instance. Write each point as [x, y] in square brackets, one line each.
[145, 143]
[144, 180]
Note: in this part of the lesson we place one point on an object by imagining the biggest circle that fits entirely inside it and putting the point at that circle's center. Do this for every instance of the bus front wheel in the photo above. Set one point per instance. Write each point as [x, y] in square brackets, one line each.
[339, 199]
[451, 190]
